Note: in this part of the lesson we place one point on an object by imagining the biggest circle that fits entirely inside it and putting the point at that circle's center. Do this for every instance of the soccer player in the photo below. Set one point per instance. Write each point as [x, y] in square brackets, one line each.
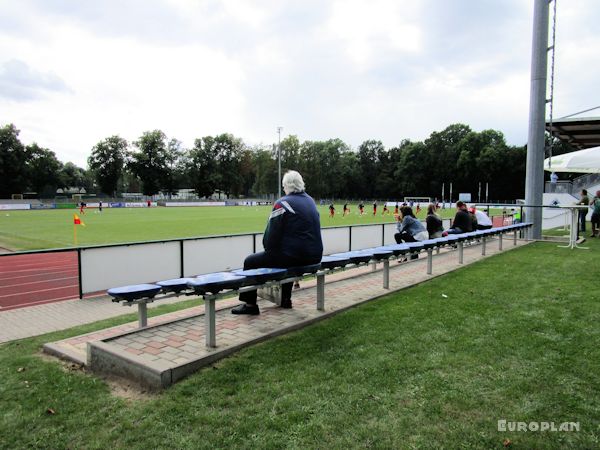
[385, 209]
[81, 208]
[331, 211]
[374, 208]
[346, 209]
[396, 210]
[361, 208]
[418, 208]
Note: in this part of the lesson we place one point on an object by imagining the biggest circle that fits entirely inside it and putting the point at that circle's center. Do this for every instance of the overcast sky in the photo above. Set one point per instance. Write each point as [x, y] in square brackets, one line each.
[75, 72]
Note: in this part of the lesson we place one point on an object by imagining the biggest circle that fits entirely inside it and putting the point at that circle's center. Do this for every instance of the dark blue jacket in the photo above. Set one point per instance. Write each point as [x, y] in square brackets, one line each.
[294, 227]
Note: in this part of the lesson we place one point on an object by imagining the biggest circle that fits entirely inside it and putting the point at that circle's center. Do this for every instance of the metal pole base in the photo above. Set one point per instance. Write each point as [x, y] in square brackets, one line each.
[209, 322]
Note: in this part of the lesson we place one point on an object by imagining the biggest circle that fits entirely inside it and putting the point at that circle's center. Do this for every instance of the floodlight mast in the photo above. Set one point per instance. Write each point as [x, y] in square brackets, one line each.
[534, 180]
[279, 161]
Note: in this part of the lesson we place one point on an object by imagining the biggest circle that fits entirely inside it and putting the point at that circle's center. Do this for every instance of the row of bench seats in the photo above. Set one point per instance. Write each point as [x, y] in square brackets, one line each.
[214, 285]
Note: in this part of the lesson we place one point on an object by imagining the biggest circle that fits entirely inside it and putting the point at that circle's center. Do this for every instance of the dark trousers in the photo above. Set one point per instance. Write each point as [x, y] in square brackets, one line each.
[455, 231]
[274, 260]
[484, 227]
[582, 215]
[404, 237]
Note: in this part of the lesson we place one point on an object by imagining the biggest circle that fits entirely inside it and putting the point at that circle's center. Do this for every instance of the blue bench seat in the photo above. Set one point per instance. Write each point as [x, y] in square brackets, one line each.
[134, 292]
[213, 283]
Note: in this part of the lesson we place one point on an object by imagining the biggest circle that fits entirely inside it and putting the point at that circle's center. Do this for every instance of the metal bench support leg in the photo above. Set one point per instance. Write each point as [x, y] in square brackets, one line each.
[460, 252]
[386, 273]
[515, 238]
[209, 322]
[500, 241]
[483, 241]
[429, 261]
[321, 291]
[142, 314]
[373, 266]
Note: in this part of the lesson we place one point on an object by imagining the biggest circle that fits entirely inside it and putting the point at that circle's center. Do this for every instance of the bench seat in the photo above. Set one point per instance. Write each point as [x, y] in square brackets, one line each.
[134, 292]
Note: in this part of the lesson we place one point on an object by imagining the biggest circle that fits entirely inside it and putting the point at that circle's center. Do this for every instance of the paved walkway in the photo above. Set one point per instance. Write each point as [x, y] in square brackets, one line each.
[172, 346]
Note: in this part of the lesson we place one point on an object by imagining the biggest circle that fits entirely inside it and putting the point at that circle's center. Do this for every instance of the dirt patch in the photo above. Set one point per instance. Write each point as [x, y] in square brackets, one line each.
[119, 387]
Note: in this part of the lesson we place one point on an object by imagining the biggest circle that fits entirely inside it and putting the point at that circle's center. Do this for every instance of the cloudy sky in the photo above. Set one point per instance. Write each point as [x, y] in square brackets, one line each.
[73, 72]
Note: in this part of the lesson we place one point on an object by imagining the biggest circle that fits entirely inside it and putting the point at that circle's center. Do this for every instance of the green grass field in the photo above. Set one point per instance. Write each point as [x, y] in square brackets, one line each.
[43, 229]
[514, 337]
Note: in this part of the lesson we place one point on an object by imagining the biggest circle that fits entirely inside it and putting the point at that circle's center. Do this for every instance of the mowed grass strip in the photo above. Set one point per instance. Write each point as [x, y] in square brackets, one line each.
[43, 229]
[512, 337]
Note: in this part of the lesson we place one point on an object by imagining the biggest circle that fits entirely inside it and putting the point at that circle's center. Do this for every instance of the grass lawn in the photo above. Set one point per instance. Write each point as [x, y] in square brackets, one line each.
[31, 230]
[514, 337]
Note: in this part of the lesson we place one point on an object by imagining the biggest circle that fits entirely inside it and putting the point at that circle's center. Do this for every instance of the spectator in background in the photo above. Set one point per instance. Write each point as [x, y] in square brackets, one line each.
[595, 204]
[483, 221]
[434, 222]
[553, 181]
[462, 222]
[585, 200]
[409, 228]
[292, 238]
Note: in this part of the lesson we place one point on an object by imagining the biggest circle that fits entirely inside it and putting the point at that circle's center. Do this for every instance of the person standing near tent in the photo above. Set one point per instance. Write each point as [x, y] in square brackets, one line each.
[553, 181]
[585, 200]
[595, 204]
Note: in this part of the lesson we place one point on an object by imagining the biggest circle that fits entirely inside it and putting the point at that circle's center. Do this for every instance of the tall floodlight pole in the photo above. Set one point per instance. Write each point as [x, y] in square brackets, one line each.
[534, 180]
[279, 162]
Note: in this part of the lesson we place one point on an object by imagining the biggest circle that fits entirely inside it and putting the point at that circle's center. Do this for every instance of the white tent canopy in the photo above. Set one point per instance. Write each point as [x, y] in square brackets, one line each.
[582, 161]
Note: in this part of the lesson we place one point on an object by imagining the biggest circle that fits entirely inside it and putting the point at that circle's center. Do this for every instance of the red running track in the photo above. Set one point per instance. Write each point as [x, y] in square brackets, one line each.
[27, 280]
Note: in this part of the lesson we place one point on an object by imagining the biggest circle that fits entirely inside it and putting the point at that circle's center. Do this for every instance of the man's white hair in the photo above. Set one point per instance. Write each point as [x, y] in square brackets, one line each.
[292, 182]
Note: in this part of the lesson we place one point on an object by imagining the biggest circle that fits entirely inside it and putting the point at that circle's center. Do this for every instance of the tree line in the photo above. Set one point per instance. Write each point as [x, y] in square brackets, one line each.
[224, 163]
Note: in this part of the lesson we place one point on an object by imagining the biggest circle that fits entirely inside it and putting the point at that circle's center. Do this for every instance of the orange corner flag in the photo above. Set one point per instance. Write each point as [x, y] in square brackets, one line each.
[77, 220]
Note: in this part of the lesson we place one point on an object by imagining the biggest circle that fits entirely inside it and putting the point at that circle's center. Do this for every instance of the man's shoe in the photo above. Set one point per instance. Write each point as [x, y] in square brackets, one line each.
[286, 304]
[245, 308]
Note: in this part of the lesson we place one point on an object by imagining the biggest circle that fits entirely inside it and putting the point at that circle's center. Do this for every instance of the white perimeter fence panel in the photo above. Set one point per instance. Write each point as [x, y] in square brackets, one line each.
[107, 267]
[389, 229]
[335, 240]
[215, 254]
[119, 265]
[366, 236]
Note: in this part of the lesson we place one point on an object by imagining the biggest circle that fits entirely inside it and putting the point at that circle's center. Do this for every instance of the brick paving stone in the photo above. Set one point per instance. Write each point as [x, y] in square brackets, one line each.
[151, 350]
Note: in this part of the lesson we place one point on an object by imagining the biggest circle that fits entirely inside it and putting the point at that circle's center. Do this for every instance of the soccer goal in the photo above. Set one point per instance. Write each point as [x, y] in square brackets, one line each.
[417, 199]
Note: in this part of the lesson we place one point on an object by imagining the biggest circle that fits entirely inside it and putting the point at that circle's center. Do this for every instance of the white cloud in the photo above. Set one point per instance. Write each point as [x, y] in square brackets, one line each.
[383, 69]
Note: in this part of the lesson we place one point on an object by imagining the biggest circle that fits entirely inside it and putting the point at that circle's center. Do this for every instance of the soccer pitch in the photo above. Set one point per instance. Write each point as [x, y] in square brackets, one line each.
[45, 229]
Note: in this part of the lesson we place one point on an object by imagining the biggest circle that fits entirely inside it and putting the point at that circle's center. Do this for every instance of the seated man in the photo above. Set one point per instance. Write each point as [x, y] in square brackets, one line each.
[483, 220]
[292, 238]
[462, 222]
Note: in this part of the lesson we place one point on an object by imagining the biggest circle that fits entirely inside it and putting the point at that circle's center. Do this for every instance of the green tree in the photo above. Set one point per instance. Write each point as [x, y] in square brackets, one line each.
[228, 150]
[290, 153]
[150, 162]
[202, 167]
[368, 153]
[107, 163]
[72, 176]
[265, 172]
[43, 170]
[13, 162]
